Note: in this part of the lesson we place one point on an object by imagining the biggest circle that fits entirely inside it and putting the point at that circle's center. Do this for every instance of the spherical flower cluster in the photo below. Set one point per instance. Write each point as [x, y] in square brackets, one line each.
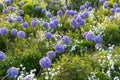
[86, 4]
[74, 23]
[2, 55]
[105, 5]
[90, 37]
[55, 21]
[51, 54]
[118, 10]
[45, 24]
[85, 34]
[52, 24]
[20, 12]
[59, 48]
[54, 2]
[101, 1]
[80, 20]
[48, 14]
[98, 39]
[45, 62]
[25, 24]
[21, 3]
[37, 8]
[59, 12]
[14, 32]
[34, 22]
[10, 20]
[19, 19]
[82, 7]
[8, 2]
[3, 31]
[84, 14]
[98, 46]
[68, 12]
[115, 5]
[10, 8]
[48, 35]
[4, 11]
[12, 72]
[43, 11]
[21, 35]
[66, 40]
[112, 11]
[90, 8]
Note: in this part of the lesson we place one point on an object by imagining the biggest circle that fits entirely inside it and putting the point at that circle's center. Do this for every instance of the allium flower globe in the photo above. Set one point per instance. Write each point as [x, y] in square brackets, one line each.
[19, 19]
[68, 12]
[48, 14]
[4, 11]
[44, 11]
[101, 1]
[90, 37]
[21, 35]
[25, 24]
[105, 5]
[98, 39]
[74, 23]
[59, 12]
[12, 72]
[10, 20]
[112, 11]
[52, 24]
[90, 8]
[66, 40]
[118, 10]
[45, 62]
[115, 5]
[22, 3]
[51, 54]
[2, 55]
[3, 31]
[82, 7]
[98, 46]
[8, 2]
[59, 48]
[14, 32]
[45, 24]
[20, 12]
[85, 34]
[34, 23]
[48, 35]
[10, 8]
[37, 8]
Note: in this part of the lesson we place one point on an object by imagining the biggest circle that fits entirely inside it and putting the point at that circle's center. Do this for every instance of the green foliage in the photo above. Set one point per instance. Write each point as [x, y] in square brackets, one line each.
[75, 67]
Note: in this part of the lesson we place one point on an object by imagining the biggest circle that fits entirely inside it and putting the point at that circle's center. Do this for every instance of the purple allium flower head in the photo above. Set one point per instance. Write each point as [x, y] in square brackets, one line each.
[34, 22]
[22, 3]
[85, 34]
[45, 24]
[4, 11]
[82, 7]
[112, 11]
[52, 24]
[71, 12]
[56, 22]
[51, 55]
[45, 62]
[101, 1]
[2, 55]
[59, 48]
[115, 5]
[10, 20]
[27, 78]
[59, 12]
[14, 32]
[118, 10]
[44, 11]
[19, 19]
[8, 2]
[66, 40]
[12, 72]
[90, 37]
[25, 24]
[90, 8]
[98, 39]
[48, 35]
[20, 12]
[54, 2]
[10, 8]
[68, 12]
[21, 34]
[48, 14]
[105, 5]
[98, 46]
[74, 23]
[37, 8]
[75, 16]
[80, 20]
[85, 14]
[3, 31]
[86, 4]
